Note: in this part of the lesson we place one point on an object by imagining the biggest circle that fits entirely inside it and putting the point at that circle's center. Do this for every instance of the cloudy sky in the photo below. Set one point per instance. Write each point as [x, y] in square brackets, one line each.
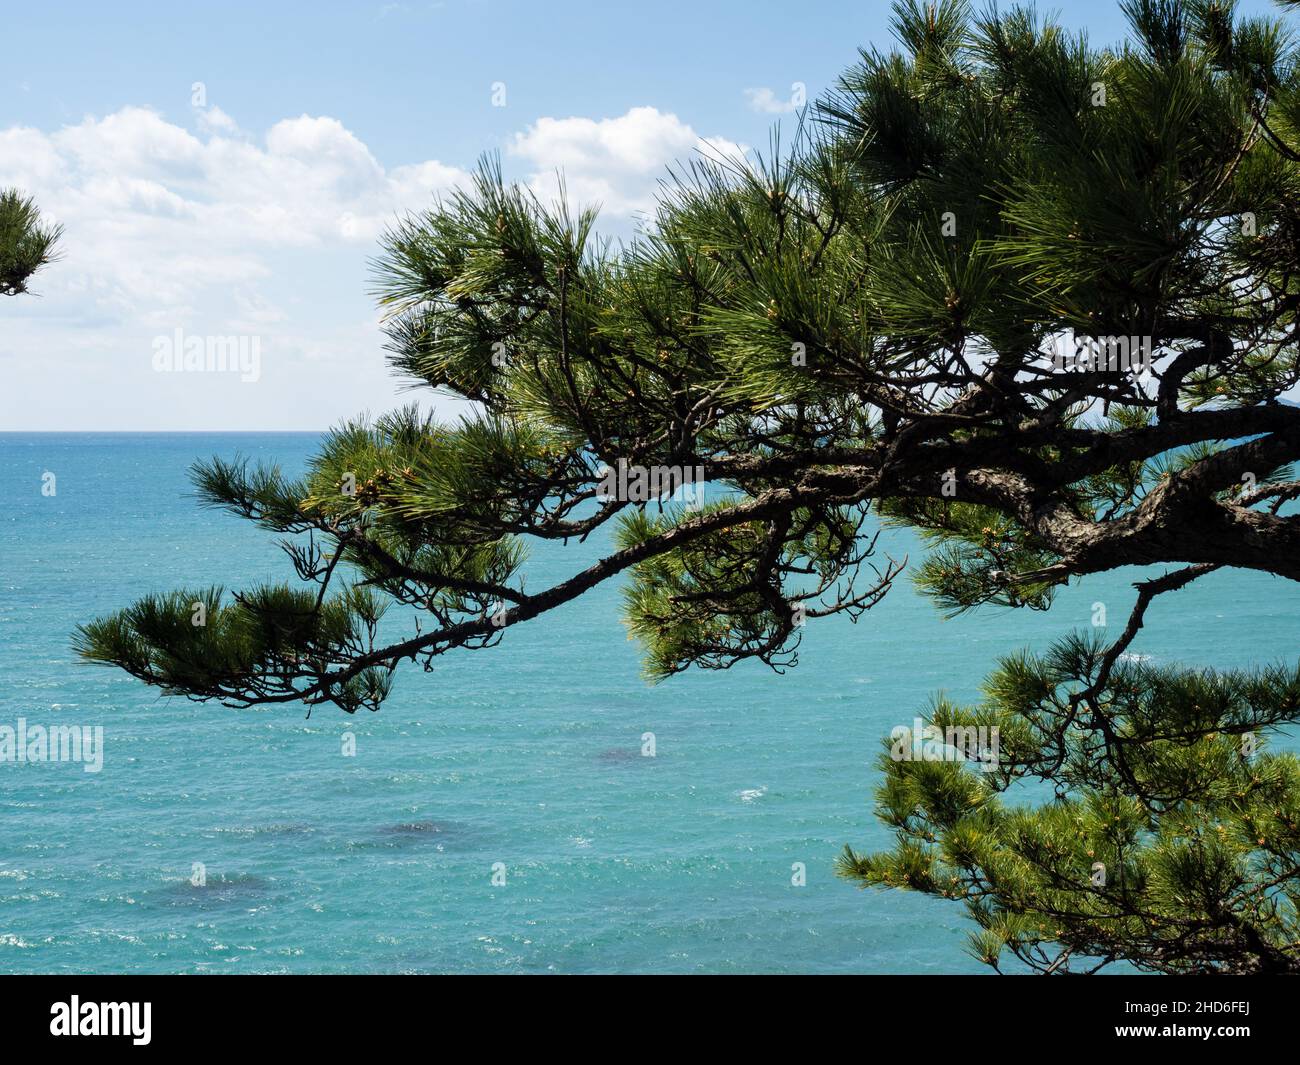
[225, 170]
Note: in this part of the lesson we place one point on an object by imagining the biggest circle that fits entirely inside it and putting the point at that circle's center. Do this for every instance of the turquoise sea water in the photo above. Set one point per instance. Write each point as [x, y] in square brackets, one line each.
[528, 755]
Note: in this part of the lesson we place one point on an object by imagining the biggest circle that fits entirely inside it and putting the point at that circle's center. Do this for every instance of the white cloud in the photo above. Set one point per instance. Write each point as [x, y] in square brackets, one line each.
[616, 162]
[766, 102]
[158, 213]
[31, 159]
[216, 231]
[215, 120]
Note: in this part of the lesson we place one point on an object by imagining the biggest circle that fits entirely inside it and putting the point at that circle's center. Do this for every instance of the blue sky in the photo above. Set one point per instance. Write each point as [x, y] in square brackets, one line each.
[249, 206]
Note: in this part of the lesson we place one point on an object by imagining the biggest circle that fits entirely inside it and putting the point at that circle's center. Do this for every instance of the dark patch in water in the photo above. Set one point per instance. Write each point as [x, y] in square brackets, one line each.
[236, 889]
[619, 756]
[441, 835]
[291, 829]
[416, 828]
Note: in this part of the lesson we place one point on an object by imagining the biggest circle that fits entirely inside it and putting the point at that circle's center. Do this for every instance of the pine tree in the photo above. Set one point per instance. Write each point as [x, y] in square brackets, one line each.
[26, 244]
[1032, 298]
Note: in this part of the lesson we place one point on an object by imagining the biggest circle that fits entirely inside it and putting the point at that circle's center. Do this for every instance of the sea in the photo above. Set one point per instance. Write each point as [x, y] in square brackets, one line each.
[534, 807]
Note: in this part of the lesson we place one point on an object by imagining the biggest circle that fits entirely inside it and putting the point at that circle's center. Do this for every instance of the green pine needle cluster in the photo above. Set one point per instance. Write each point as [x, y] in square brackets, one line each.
[1169, 834]
[26, 243]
